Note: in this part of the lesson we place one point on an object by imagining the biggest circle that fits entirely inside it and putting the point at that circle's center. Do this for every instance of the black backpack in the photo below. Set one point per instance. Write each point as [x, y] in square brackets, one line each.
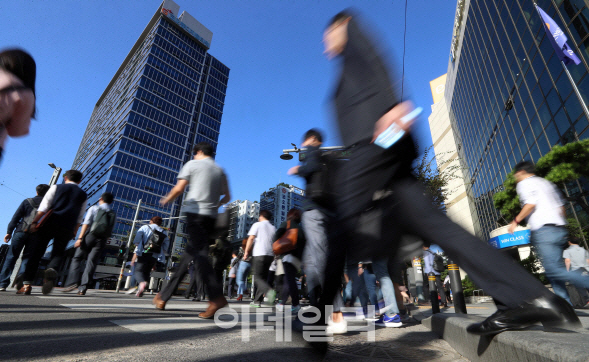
[104, 222]
[154, 242]
[27, 220]
[438, 263]
[320, 188]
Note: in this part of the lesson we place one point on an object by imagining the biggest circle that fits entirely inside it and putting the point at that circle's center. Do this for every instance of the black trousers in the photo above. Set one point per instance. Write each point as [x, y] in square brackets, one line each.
[145, 263]
[290, 279]
[261, 268]
[231, 287]
[408, 210]
[90, 250]
[196, 286]
[61, 236]
[199, 228]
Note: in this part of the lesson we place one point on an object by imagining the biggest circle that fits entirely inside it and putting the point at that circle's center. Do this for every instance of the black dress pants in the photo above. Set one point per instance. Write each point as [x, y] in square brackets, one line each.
[261, 268]
[40, 239]
[90, 250]
[200, 228]
[359, 229]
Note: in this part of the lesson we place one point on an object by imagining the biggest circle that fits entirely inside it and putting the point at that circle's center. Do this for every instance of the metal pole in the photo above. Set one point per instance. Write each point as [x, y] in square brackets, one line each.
[128, 246]
[224, 278]
[576, 90]
[55, 176]
[456, 286]
[433, 293]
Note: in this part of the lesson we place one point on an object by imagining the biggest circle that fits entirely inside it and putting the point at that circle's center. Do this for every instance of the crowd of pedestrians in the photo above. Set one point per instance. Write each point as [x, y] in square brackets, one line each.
[342, 245]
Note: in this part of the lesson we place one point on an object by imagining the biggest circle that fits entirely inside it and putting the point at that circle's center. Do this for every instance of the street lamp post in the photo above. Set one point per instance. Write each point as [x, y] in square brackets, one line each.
[55, 176]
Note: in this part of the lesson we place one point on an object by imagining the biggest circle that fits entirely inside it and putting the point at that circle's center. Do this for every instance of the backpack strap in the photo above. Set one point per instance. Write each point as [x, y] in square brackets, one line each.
[32, 203]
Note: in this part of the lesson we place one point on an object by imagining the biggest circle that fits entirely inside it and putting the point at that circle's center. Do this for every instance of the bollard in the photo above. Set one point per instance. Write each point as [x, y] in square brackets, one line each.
[433, 293]
[418, 279]
[456, 286]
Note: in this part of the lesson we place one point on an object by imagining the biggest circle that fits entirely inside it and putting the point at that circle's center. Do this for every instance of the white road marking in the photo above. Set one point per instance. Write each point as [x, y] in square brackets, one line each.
[155, 325]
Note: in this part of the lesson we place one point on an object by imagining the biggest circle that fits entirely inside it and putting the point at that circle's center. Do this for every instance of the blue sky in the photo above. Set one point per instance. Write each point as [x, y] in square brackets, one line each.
[279, 84]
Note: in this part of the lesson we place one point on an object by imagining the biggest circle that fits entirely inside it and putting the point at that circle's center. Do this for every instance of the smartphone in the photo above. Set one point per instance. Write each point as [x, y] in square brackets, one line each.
[394, 133]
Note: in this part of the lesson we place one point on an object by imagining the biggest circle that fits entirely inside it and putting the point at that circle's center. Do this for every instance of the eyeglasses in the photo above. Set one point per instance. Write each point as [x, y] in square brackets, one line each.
[13, 88]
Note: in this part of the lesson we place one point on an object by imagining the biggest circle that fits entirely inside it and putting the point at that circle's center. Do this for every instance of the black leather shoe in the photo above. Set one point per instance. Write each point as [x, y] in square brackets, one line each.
[552, 312]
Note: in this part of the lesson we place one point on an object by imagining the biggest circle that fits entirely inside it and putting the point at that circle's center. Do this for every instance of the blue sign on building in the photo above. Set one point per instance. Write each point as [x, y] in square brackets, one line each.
[520, 237]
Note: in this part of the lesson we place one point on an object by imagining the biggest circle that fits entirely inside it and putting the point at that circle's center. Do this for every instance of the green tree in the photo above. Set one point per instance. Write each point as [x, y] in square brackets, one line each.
[435, 177]
[561, 165]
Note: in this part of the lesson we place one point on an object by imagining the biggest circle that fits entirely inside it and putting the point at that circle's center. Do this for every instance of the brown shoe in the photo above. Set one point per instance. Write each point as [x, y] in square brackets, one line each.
[214, 305]
[25, 290]
[159, 302]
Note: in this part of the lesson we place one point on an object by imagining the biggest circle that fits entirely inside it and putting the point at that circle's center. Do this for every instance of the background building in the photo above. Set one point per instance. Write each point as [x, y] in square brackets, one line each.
[167, 95]
[281, 198]
[508, 96]
[242, 215]
[459, 207]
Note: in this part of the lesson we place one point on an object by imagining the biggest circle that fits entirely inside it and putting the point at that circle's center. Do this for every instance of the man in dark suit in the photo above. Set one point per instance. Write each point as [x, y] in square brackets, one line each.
[67, 204]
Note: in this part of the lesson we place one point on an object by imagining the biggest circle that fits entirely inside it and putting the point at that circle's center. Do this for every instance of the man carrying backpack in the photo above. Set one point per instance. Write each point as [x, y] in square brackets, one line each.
[151, 246]
[96, 229]
[19, 224]
[434, 263]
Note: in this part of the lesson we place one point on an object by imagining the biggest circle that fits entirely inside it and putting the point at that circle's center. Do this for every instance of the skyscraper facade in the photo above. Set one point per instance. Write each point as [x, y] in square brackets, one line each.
[167, 95]
[508, 96]
[281, 198]
[242, 215]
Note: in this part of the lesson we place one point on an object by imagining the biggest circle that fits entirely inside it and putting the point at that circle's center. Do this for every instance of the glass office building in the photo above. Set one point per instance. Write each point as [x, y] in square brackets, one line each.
[280, 199]
[508, 94]
[167, 95]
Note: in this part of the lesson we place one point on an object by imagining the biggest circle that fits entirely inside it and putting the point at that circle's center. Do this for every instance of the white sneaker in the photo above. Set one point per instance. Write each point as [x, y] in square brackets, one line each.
[132, 290]
[336, 328]
[2, 289]
[280, 307]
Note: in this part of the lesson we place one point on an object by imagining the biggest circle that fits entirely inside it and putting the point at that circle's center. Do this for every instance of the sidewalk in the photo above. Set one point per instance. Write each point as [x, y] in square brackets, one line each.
[529, 345]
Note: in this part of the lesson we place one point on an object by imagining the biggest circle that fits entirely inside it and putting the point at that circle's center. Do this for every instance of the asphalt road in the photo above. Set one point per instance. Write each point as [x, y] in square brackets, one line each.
[104, 326]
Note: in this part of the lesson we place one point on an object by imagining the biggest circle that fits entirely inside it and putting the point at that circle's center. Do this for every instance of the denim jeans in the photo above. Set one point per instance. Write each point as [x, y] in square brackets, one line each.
[370, 283]
[243, 271]
[381, 272]
[16, 245]
[550, 241]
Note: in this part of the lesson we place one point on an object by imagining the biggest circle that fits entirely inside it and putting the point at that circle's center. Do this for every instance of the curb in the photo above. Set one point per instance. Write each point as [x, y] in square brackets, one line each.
[532, 345]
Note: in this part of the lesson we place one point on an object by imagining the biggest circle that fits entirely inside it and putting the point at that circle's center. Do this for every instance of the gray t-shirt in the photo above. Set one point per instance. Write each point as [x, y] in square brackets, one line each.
[207, 182]
[578, 256]
[264, 232]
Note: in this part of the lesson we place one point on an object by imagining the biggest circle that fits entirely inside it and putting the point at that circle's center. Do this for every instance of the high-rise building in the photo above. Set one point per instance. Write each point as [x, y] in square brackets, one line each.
[167, 95]
[281, 198]
[242, 215]
[459, 207]
[508, 96]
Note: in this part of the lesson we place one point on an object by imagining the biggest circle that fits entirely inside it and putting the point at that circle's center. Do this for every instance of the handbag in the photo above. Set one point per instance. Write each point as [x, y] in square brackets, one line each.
[44, 219]
[286, 242]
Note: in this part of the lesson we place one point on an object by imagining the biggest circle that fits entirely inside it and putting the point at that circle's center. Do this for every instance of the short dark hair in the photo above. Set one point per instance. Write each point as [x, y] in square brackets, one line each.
[526, 166]
[205, 147]
[107, 197]
[339, 17]
[574, 240]
[427, 244]
[294, 215]
[313, 132]
[73, 175]
[42, 189]
[22, 65]
[266, 214]
[157, 220]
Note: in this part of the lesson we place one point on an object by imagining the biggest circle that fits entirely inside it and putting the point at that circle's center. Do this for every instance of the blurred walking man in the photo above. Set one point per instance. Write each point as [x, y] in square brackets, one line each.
[64, 206]
[96, 229]
[259, 245]
[544, 209]
[20, 224]
[366, 104]
[208, 183]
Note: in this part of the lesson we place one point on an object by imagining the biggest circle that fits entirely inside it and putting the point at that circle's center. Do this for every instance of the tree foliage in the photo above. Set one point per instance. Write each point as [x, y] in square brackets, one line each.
[562, 164]
[435, 177]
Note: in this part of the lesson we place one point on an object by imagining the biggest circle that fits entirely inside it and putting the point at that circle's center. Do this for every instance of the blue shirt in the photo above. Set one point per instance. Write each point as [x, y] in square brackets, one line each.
[428, 261]
[92, 211]
[143, 235]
